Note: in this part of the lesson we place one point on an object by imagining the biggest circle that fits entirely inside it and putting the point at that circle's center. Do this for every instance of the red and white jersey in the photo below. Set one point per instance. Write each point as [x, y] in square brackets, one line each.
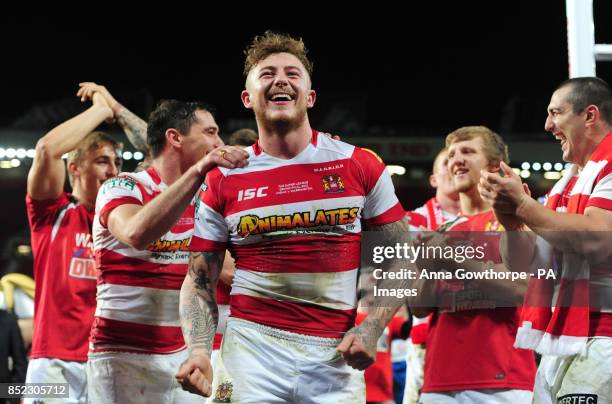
[473, 349]
[138, 290]
[294, 228]
[434, 214]
[600, 318]
[64, 276]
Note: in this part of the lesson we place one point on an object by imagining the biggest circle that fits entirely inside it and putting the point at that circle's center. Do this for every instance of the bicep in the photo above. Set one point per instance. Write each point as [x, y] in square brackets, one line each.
[118, 221]
[46, 177]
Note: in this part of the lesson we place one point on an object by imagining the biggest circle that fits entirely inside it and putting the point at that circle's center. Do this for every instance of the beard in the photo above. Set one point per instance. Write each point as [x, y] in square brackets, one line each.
[281, 123]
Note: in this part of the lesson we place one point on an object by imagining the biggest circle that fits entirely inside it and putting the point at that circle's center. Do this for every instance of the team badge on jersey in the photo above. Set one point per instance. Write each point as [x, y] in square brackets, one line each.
[332, 183]
[494, 226]
[224, 393]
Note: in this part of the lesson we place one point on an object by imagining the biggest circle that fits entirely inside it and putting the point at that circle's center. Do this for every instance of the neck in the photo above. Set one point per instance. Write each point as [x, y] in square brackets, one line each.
[80, 195]
[284, 142]
[168, 167]
[448, 203]
[471, 203]
[595, 137]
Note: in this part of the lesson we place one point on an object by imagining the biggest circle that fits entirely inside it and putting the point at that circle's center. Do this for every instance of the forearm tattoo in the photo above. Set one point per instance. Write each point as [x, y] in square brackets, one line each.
[134, 127]
[198, 306]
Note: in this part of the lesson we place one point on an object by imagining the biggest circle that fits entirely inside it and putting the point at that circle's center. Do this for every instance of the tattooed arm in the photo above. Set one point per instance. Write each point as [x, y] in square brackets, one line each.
[359, 344]
[199, 317]
[134, 127]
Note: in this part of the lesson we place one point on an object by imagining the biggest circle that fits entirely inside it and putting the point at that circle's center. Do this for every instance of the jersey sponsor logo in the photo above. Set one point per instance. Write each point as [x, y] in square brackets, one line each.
[83, 240]
[83, 268]
[251, 193]
[577, 399]
[168, 245]
[253, 224]
[332, 183]
[119, 182]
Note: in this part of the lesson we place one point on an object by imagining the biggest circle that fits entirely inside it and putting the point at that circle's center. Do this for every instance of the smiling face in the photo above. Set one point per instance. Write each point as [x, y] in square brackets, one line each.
[202, 137]
[278, 91]
[465, 160]
[89, 172]
[567, 126]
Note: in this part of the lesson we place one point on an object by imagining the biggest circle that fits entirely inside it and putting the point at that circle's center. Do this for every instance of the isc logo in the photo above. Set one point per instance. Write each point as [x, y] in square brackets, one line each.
[250, 193]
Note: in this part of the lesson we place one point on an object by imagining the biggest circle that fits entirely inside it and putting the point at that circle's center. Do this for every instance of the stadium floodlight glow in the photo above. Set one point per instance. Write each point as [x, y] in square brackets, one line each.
[547, 166]
[536, 166]
[24, 249]
[558, 166]
[5, 164]
[2, 153]
[568, 165]
[525, 166]
[517, 171]
[15, 163]
[138, 156]
[396, 170]
[127, 155]
[31, 153]
[21, 153]
[10, 153]
[525, 174]
[552, 175]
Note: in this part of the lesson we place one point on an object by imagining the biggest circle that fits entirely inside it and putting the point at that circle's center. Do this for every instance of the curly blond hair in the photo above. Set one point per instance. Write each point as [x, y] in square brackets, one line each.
[272, 42]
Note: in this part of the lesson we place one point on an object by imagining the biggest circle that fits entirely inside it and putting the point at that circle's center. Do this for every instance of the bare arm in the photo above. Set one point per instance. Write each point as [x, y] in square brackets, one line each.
[137, 226]
[359, 344]
[198, 306]
[135, 128]
[564, 231]
[48, 173]
[199, 318]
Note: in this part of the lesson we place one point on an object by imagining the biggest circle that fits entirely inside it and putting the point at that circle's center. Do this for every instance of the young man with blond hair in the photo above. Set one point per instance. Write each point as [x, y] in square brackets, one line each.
[293, 221]
[470, 356]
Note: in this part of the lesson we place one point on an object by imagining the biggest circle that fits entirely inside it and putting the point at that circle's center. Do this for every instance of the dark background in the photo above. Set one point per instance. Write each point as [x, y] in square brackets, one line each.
[417, 69]
[433, 65]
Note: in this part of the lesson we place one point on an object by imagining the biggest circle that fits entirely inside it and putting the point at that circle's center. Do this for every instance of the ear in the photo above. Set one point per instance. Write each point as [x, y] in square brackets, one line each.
[73, 169]
[433, 181]
[312, 97]
[174, 138]
[246, 99]
[592, 115]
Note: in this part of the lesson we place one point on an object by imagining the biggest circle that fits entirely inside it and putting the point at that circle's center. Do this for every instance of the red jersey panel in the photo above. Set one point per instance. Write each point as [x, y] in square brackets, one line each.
[473, 349]
[64, 275]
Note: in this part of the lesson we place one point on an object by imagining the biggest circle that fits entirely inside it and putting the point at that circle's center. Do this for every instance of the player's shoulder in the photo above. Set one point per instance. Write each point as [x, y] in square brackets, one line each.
[325, 142]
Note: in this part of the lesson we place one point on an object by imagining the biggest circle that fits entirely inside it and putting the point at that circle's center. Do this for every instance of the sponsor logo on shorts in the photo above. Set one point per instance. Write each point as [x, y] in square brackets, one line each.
[332, 183]
[578, 399]
[253, 224]
[224, 393]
